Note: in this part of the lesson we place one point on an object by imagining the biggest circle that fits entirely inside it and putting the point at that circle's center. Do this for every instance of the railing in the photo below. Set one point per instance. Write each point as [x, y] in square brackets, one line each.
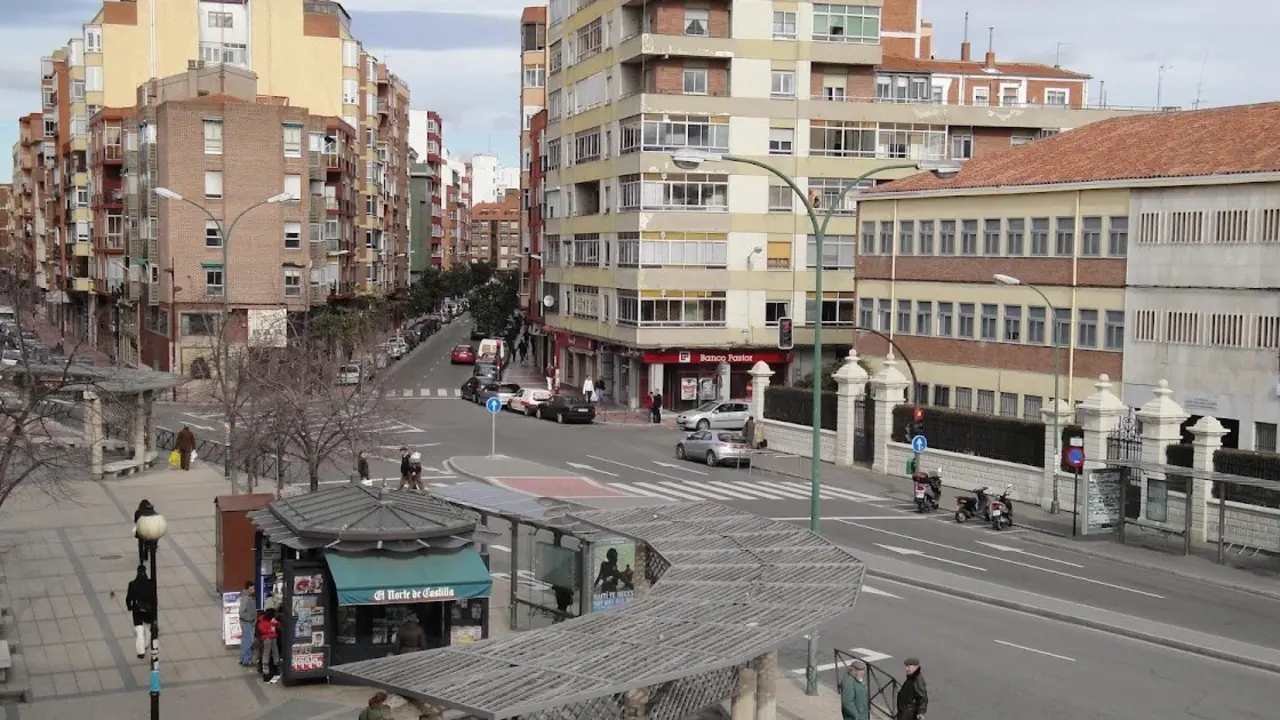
[261, 465]
[995, 104]
[778, 263]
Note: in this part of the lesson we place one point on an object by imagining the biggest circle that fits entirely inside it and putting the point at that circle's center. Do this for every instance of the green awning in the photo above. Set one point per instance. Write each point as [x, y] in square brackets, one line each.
[391, 579]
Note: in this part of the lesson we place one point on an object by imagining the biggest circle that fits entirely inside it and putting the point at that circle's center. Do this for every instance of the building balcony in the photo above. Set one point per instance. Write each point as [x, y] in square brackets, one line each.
[845, 53]
[112, 154]
[82, 249]
[81, 285]
[926, 111]
[643, 45]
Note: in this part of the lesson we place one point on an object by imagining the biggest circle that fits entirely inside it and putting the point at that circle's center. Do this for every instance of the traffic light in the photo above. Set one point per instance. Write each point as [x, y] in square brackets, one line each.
[917, 423]
[785, 339]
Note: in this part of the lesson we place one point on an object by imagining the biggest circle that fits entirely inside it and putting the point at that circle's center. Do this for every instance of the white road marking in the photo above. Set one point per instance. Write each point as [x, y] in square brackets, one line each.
[664, 492]
[423, 392]
[834, 493]
[863, 654]
[1007, 561]
[921, 553]
[783, 490]
[877, 591]
[633, 490]
[1006, 548]
[640, 469]
[505, 549]
[850, 517]
[689, 488]
[679, 467]
[580, 466]
[753, 493]
[730, 490]
[1033, 650]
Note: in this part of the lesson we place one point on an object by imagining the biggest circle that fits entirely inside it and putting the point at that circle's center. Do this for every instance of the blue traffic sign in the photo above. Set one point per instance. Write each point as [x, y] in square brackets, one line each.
[919, 444]
[493, 405]
[1075, 457]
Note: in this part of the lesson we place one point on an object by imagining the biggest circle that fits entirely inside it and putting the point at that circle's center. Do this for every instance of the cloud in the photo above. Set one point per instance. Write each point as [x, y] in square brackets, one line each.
[486, 8]
[415, 30]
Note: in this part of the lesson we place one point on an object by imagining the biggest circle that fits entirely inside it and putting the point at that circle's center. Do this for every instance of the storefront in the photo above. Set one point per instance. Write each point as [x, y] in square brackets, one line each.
[689, 378]
[346, 566]
[576, 358]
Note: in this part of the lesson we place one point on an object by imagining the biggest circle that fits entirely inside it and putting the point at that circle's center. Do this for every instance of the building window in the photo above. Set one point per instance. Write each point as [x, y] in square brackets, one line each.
[1118, 239]
[1013, 323]
[293, 187]
[1066, 237]
[676, 308]
[834, 138]
[964, 398]
[292, 282]
[589, 40]
[586, 146]
[1009, 404]
[221, 20]
[1035, 325]
[586, 250]
[1031, 405]
[212, 137]
[990, 321]
[212, 234]
[886, 238]
[1062, 327]
[837, 308]
[838, 252]
[868, 238]
[1114, 332]
[942, 395]
[535, 76]
[924, 318]
[775, 310]
[695, 81]
[697, 21]
[906, 237]
[966, 321]
[93, 78]
[533, 37]
[926, 237]
[991, 238]
[673, 132]
[292, 235]
[947, 237]
[686, 192]
[1040, 237]
[213, 184]
[981, 96]
[945, 312]
[1091, 237]
[846, 23]
[1013, 234]
[93, 39]
[350, 54]
[961, 147]
[224, 53]
[292, 133]
[782, 84]
[782, 199]
[1264, 437]
[784, 25]
[884, 311]
[1056, 97]
[782, 141]
[969, 237]
[350, 92]
[867, 313]
[837, 194]
[1088, 334]
[986, 402]
[904, 317]
[213, 283]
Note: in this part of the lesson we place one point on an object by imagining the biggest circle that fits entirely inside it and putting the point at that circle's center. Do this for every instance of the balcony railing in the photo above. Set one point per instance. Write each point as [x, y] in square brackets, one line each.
[997, 103]
[779, 264]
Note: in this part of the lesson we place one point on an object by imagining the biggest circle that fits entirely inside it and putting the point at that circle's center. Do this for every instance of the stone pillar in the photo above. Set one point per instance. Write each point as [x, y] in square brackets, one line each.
[760, 374]
[1208, 434]
[138, 428]
[851, 385]
[888, 389]
[744, 701]
[1062, 413]
[94, 434]
[149, 421]
[766, 667]
[1161, 420]
[1099, 415]
[641, 573]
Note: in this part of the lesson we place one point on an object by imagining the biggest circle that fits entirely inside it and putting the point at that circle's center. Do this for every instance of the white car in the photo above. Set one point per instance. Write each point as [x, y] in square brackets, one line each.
[528, 400]
[398, 347]
[348, 375]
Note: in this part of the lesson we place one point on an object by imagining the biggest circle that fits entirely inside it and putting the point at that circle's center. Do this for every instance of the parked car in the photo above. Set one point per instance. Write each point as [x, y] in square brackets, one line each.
[349, 375]
[472, 388]
[11, 358]
[529, 400]
[715, 448]
[567, 409]
[502, 391]
[399, 346]
[718, 414]
[487, 370]
[462, 355]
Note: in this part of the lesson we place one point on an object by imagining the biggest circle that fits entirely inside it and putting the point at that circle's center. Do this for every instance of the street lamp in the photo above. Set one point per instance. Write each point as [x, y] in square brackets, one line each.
[151, 528]
[689, 160]
[1055, 506]
[224, 233]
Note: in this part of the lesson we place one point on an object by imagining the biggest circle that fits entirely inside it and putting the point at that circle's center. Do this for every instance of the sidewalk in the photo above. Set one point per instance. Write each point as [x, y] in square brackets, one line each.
[1253, 575]
[50, 335]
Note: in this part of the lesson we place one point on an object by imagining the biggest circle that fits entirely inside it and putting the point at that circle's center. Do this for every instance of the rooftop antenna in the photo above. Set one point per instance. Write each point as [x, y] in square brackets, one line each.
[1160, 71]
[966, 27]
[1200, 82]
[991, 38]
[1057, 55]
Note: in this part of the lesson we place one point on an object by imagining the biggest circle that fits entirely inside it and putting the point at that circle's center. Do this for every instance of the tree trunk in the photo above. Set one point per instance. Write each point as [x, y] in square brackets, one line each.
[314, 474]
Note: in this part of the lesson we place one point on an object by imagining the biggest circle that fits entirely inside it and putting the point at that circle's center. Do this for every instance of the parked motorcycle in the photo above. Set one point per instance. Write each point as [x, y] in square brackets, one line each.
[979, 505]
[928, 490]
[1002, 510]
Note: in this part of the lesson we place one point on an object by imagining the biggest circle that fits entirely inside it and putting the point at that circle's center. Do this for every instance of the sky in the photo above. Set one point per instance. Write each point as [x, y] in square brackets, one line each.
[461, 57]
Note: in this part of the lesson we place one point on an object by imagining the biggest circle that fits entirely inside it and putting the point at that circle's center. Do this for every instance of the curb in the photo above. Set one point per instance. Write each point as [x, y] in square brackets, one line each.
[1113, 628]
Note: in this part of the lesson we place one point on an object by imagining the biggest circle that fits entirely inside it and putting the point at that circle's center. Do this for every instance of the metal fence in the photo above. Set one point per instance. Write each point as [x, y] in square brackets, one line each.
[1125, 442]
[882, 687]
[864, 430]
[261, 465]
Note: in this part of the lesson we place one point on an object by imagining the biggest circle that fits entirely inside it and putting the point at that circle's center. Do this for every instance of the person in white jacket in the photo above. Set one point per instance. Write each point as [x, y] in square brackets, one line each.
[589, 389]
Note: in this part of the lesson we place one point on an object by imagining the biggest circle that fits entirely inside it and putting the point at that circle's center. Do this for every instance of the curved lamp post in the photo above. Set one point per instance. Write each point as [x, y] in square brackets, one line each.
[1055, 506]
[151, 528]
[691, 160]
[224, 232]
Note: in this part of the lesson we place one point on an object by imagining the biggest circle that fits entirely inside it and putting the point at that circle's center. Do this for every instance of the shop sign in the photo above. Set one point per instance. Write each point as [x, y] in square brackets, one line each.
[698, 357]
[231, 619]
[307, 662]
[398, 595]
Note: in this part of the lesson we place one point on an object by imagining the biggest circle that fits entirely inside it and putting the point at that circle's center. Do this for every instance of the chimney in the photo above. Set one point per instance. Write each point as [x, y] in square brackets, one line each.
[964, 46]
[990, 61]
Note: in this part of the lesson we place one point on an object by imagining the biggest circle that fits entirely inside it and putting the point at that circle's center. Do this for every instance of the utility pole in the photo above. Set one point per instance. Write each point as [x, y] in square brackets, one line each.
[1160, 71]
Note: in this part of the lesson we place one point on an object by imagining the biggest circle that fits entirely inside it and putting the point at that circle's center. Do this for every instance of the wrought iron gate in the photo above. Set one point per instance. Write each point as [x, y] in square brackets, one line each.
[1125, 442]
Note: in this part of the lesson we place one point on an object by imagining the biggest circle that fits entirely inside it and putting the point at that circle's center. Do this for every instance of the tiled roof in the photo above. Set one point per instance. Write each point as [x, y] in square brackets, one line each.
[975, 67]
[1219, 141]
[534, 13]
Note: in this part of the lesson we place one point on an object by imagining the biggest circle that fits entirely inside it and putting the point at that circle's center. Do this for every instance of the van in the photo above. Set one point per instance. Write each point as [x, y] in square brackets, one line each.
[349, 375]
[494, 347]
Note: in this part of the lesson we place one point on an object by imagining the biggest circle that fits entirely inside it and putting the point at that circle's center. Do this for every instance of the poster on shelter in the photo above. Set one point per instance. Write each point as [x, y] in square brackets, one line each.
[614, 583]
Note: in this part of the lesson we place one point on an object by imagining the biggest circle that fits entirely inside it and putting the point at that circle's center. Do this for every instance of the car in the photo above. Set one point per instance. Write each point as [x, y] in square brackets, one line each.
[567, 409]
[472, 388]
[11, 358]
[715, 448]
[503, 391]
[486, 370]
[390, 351]
[718, 414]
[528, 400]
[399, 346]
[348, 375]
[478, 333]
[462, 355]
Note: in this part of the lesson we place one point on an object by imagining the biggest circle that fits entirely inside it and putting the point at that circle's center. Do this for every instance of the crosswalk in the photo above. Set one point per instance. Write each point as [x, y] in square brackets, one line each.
[754, 489]
[419, 393]
[213, 422]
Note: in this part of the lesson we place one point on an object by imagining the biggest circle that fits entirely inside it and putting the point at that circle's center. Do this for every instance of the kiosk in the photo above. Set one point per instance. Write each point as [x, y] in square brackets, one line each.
[345, 566]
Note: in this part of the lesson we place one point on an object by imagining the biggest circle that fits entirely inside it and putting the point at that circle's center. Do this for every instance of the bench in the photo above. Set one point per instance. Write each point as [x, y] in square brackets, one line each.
[6, 661]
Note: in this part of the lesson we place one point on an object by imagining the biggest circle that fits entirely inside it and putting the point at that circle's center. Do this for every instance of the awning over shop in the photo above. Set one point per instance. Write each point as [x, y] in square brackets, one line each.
[389, 579]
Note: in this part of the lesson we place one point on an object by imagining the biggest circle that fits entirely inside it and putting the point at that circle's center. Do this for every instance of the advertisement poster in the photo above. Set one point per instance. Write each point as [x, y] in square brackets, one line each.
[231, 619]
[307, 610]
[464, 634]
[688, 388]
[614, 584]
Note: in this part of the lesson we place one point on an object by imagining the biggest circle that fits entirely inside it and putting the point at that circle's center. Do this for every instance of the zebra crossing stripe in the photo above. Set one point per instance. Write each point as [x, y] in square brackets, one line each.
[732, 490]
[667, 493]
[633, 490]
[784, 490]
[445, 393]
[691, 488]
[749, 489]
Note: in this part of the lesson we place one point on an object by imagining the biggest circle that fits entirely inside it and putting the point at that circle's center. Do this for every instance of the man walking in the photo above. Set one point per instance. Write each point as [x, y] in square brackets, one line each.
[186, 444]
[140, 600]
[913, 695]
[655, 407]
[550, 374]
[523, 350]
[362, 468]
[855, 703]
[247, 613]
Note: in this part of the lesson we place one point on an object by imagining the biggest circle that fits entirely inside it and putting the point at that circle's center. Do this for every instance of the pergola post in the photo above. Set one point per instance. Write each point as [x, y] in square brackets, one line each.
[138, 429]
[744, 701]
[94, 434]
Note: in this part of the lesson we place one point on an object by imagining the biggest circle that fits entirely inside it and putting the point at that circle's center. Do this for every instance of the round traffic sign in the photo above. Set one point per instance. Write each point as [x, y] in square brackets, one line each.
[1075, 457]
[919, 444]
[493, 405]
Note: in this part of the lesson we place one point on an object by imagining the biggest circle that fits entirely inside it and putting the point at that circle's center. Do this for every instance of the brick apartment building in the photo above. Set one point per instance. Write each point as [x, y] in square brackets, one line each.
[533, 99]
[495, 232]
[29, 254]
[7, 230]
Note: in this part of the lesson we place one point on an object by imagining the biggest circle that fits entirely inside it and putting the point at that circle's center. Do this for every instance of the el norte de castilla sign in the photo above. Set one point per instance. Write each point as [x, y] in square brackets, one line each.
[401, 595]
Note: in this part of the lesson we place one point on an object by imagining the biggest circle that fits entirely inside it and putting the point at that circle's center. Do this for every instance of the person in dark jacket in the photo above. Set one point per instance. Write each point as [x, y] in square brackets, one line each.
[362, 468]
[655, 407]
[913, 695]
[185, 445]
[406, 467]
[140, 600]
[410, 637]
[144, 508]
[854, 701]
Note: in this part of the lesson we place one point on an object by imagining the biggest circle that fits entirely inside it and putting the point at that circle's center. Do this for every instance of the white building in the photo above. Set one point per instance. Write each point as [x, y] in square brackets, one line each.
[490, 179]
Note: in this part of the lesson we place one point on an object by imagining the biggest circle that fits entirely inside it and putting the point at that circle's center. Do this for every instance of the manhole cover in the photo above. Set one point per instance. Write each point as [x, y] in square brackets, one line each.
[110, 557]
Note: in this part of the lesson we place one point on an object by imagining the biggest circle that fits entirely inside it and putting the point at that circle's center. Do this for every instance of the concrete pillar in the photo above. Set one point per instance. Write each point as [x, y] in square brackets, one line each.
[851, 385]
[1099, 415]
[1060, 411]
[94, 434]
[744, 701]
[1161, 420]
[1208, 432]
[149, 421]
[138, 428]
[766, 667]
[760, 374]
[723, 381]
[888, 389]
[640, 575]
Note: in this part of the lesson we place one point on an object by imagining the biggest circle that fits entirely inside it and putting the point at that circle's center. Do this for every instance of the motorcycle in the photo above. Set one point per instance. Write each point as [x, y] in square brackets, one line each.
[1002, 510]
[928, 490]
[968, 508]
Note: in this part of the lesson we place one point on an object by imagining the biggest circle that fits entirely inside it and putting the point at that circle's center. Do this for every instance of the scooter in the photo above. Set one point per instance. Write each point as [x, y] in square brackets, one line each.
[1002, 510]
[928, 490]
[968, 508]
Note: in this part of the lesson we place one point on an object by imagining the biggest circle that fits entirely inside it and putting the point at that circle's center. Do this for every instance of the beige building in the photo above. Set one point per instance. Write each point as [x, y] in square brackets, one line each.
[533, 99]
[671, 279]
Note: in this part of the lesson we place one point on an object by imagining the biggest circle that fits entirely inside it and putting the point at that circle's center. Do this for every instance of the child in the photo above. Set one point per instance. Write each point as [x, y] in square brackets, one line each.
[269, 633]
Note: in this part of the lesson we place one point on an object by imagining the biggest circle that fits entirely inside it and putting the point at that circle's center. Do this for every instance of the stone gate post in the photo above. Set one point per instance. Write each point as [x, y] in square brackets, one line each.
[889, 390]
[851, 386]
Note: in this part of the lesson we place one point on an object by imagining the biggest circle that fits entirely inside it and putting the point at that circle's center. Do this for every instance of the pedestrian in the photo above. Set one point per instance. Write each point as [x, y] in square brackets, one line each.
[144, 508]
[377, 709]
[185, 446]
[913, 695]
[749, 432]
[405, 467]
[410, 637]
[362, 468]
[589, 389]
[855, 703]
[140, 600]
[247, 613]
[550, 374]
[655, 406]
[269, 634]
[523, 350]
[411, 470]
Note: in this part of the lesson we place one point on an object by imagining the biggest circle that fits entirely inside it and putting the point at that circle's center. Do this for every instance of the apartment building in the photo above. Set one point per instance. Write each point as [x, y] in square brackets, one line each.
[29, 257]
[675, 279]
[457, 216]
[495, 232]
[533, 224]
[426, 194]
[127, 43]
[533, 99]
[1120, 247]
[7, 230]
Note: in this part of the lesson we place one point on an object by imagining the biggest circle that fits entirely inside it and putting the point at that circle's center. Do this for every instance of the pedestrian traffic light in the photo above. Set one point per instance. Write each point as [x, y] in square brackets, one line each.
[917, 423]
[785, 339]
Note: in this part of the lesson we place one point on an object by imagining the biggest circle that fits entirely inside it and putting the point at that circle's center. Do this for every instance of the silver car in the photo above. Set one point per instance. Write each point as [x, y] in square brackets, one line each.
[503, 391]
[720, 414]
[715, 447]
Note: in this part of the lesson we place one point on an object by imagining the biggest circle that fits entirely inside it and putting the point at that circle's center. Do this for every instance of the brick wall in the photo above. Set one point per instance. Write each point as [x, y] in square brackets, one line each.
[667, 18]
[860, 81]
[667, 76]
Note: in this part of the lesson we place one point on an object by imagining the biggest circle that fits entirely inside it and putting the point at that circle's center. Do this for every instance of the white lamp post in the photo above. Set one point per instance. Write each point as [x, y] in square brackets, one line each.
[150, 529]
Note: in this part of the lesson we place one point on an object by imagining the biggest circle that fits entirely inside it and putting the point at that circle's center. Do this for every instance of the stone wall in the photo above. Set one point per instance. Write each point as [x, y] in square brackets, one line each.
[792, 439]
[966, 472]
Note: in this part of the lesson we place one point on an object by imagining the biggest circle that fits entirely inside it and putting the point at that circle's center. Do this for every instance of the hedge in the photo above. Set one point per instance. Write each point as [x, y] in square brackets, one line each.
[795, 405]
[990, 436]
[1249, 463]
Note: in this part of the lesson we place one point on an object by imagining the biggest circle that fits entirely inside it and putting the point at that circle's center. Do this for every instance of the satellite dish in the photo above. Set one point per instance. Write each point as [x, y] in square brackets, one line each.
[548, 300]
